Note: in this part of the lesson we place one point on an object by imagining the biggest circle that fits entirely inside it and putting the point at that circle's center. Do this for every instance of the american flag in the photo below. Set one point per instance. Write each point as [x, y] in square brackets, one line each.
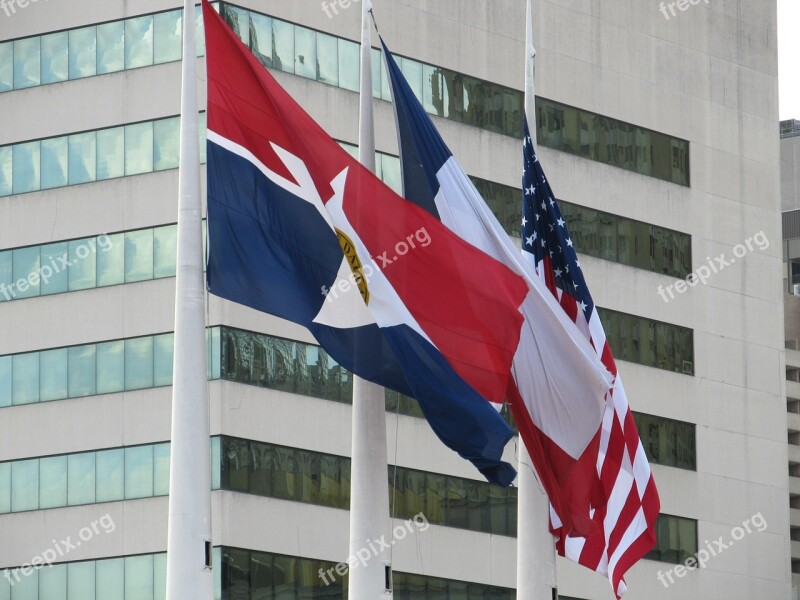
[625, 502]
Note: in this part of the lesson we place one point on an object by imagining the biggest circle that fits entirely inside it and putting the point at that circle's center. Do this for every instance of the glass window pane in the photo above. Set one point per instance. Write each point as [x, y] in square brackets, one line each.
[110, 367]
[54, 57]
[110, 579]
[81, 478]
[160, 577]
[81, 581]
[138, 255]
[327, 59]
[110, 153]
[6, 66]
[82, 157]
[138, 472]
[349, 66]
[26, 378]
[237, 19]
[138, 148]
[27, 588]
[167, 35]
[111, 261]
[82, 52]
[25, 485]
[261, 38]
[6, 275]
[53, 374]
[27, 61]
[83, 271]
[161, 470]
[162, 351]
[25, 265]
[166, 135]
[412, 70]
[199, 32]
[139, 363]
[165, 250]
[53, 583]
[52, 481]
[283, 33]
[376, 73]
[110, 47]
[5, 488]
[5, 380]
[139, 42]
[6, 163]
[110, 475]
[53, 275]
[305, 63]
[82, 371]
[54, 162]
[215, 468]
[25, 167]
[139, 577]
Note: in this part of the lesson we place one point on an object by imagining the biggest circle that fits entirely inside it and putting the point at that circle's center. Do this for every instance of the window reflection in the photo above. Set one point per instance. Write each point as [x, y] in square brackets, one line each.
[110, 47]
[82, 52]
[55, 52]
[139, 42]
[648, 342]
[167, 35]
[676, 539]
[27, 60]
[304, 476]
[600, 234]
[666, 441]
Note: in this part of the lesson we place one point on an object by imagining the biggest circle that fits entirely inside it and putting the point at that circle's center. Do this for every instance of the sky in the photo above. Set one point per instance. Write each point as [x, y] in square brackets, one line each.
[789, 58]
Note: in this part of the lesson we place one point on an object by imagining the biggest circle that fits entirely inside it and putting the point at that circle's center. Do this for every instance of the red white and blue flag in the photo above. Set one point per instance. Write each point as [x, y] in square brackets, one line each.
[559, 384]
[299, 229]
[625, 502]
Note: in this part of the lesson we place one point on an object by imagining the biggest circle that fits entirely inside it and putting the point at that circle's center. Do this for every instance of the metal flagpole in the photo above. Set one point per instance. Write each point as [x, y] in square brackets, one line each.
[369, 484]
[536, 556]
[189, 574]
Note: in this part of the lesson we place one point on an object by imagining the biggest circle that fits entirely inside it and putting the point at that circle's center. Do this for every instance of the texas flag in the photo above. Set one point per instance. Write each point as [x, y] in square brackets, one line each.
[559, 385]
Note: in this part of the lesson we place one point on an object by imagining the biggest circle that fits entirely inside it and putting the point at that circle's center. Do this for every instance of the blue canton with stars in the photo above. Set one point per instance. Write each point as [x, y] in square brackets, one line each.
[544, 232]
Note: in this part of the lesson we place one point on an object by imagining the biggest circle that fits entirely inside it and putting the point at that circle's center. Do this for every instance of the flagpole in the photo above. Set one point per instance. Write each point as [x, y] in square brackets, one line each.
[369, 491]
[536, 557]
[189, 574]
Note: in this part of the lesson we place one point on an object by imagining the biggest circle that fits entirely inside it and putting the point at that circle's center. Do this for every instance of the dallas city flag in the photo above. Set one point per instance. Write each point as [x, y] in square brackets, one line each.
[293, 225]
[558, 390]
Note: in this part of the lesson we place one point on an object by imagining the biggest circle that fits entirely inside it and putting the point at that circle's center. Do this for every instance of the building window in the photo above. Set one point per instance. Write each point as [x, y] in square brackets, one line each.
[676, 539]
[121, 578]
[649, 342]
[601, 234]
[666, 441]
[304, 476]
[84, 478]
[93, 156]
[156, 38]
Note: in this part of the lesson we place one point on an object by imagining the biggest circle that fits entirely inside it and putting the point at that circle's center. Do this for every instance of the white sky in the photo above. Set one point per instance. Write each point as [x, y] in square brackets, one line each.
[789, 58]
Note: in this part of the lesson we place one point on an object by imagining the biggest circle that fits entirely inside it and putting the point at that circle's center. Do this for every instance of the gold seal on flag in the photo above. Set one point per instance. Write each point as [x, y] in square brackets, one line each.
[349, 249]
